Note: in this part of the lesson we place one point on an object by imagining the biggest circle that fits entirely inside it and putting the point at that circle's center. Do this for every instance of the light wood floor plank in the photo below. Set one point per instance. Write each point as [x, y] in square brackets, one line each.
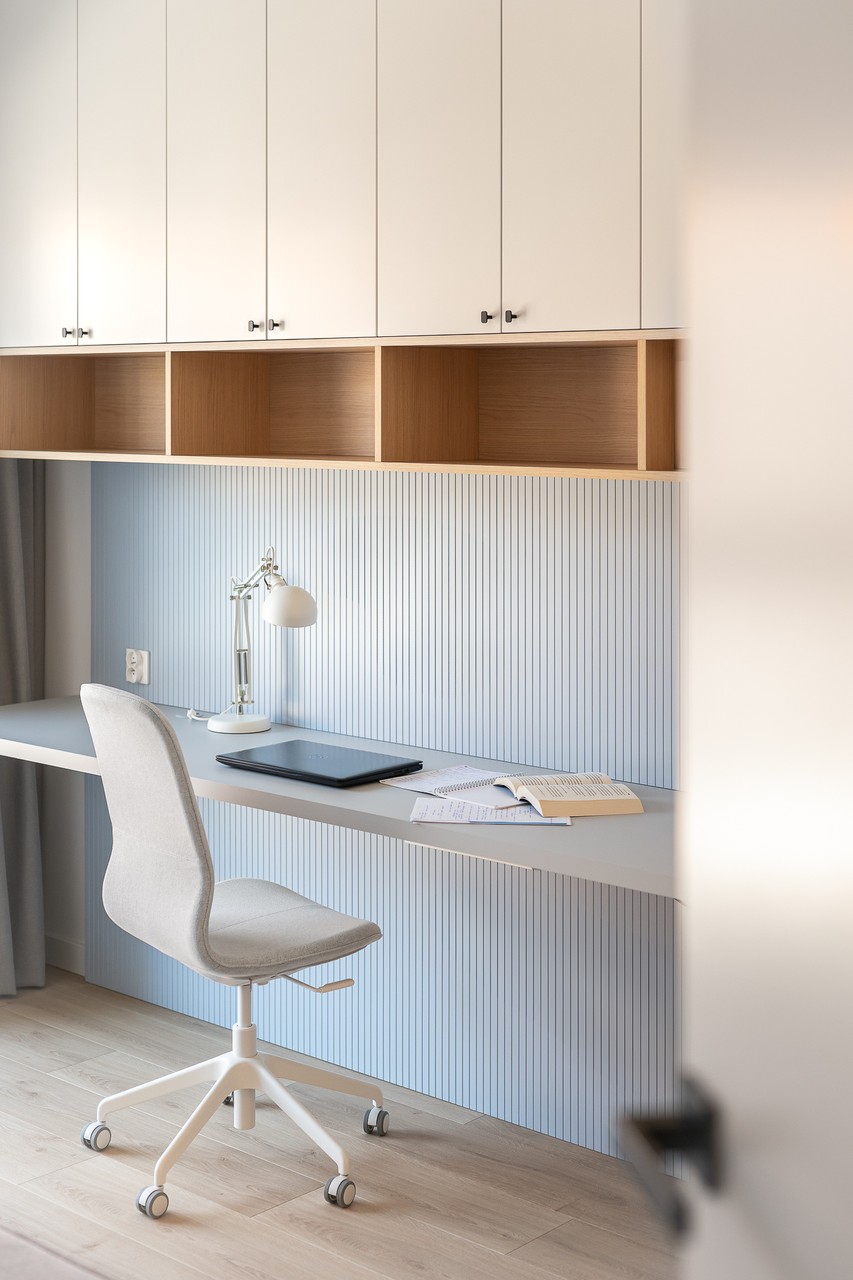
[195, 1231]
[36, 1044]
[91, 1244]
[27, 1151]
[584, 1252]
[397, 1246]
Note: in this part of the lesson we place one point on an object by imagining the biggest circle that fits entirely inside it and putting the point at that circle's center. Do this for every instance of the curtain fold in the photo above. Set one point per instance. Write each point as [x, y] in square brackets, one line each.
[22, 548]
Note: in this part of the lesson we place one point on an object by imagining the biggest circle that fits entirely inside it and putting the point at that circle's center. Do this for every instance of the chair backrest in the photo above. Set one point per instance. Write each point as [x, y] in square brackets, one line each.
[159, 882]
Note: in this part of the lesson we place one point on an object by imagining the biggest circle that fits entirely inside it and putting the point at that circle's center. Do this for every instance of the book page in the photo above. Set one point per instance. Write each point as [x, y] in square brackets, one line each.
[556, 789]
[426, 810]
[565, 779]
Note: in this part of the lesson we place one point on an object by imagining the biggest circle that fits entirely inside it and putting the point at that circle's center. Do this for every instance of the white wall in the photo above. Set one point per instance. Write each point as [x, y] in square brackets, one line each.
[67, 666]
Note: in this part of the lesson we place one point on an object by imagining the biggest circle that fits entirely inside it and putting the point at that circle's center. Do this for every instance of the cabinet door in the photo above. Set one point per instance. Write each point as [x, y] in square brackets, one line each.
[38, 172]
[216, 173]
[438, 162]
[664, 112]
[321, 60]
[122, 170]
[571, 164]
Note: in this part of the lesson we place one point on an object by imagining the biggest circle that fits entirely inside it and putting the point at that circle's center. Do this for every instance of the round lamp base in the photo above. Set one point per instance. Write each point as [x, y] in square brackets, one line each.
[230, 722]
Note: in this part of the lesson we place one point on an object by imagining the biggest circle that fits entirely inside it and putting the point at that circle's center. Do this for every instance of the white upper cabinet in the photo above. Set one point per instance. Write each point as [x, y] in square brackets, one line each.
[38, 172]
[439, 165]
[122, 171]
[571, 164]
[321, 60]
[216, 169]
[664, 108]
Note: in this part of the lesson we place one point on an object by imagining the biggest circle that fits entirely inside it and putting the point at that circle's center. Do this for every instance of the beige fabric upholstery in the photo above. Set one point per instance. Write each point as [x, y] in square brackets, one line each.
[159, 884]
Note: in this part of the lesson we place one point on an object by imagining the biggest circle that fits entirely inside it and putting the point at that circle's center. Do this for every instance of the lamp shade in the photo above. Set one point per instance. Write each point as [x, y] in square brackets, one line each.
[287, 606]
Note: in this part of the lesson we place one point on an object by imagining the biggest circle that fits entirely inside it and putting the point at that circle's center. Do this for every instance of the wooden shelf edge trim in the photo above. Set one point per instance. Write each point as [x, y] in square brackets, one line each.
[352, 464]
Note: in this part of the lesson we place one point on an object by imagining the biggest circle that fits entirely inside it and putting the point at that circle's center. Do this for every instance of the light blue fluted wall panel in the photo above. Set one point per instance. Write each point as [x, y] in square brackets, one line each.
[530, 619]
[524, 618]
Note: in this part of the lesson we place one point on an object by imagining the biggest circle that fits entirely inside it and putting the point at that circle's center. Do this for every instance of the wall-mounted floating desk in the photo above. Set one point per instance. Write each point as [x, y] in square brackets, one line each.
[631, 851]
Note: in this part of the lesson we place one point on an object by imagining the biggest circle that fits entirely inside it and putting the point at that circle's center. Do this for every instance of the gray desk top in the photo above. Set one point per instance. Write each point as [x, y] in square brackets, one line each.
[633, 851]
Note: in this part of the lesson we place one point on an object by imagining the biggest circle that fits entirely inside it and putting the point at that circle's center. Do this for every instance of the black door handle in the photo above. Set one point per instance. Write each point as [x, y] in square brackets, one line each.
[694, 1130]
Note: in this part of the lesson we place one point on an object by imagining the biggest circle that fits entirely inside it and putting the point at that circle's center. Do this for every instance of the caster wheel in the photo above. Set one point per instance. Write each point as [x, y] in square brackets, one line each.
[340, 1190]
[95, 1136]
[376, 1121]
[228, 1101]
[152, 1201]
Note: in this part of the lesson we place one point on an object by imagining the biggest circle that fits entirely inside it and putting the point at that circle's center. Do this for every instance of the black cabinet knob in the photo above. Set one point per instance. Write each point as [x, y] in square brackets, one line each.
[485, 317]
[509, 316]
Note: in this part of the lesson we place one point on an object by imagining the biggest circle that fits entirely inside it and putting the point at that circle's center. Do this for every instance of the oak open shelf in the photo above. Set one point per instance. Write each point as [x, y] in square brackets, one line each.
[609, 406]
[586, 405]
[281, 404]
[83, 404]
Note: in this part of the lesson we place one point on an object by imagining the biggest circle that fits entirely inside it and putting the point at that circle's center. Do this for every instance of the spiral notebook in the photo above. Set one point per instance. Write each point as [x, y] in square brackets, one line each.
[459, 782]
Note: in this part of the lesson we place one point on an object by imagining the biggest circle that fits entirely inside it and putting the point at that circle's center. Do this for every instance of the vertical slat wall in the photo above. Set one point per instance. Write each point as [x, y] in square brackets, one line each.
[533, 619]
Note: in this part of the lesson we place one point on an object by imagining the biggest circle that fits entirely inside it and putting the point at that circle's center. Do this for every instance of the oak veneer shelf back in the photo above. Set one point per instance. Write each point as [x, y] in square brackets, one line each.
[99, 404]
[561, 407]
[291, 404]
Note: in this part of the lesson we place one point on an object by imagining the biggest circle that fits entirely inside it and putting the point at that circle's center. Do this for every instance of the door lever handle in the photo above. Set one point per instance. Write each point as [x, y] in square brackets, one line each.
[693, 1130]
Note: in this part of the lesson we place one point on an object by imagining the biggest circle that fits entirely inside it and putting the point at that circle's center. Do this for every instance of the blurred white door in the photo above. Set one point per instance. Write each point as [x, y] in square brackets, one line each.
[766, 833]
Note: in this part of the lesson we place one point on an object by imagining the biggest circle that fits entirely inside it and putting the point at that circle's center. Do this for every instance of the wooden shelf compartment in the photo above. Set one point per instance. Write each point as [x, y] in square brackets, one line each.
[280, 404]
[83, 404]
[608, 406]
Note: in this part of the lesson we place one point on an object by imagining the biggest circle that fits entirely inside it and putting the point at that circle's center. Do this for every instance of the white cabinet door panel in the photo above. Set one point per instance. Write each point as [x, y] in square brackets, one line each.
[438, 158]
[664, 113]
[321, 62]
[216, 169]
[38, 172]
[122, 170]
[571, 164]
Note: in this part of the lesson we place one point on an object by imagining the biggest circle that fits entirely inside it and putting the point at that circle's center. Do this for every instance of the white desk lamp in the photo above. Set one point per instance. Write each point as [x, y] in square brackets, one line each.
[284, 606]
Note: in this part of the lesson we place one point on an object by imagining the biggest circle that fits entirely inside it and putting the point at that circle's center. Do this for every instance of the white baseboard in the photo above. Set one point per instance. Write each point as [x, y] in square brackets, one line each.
[63, 954]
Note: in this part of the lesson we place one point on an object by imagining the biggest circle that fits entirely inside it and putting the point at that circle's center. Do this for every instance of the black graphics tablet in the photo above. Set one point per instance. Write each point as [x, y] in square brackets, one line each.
[316, 762]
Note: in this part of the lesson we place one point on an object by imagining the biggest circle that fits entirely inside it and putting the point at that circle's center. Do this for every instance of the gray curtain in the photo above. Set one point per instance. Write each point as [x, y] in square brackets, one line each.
[21, 679]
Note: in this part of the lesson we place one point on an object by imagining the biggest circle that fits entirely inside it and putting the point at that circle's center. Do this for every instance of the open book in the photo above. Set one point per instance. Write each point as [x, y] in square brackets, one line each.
[575, 794]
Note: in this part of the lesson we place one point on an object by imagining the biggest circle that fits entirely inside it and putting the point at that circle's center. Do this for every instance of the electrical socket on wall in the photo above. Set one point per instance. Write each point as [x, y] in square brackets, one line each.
[137, 664]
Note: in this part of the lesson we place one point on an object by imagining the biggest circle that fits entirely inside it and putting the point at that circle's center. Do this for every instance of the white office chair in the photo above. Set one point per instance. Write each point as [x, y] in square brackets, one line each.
[159, 887]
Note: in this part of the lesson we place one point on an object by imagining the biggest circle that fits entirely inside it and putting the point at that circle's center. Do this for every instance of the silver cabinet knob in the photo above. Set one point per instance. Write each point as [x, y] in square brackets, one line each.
[84, 333]
[68, 333]
[255, 324]
[275, 324]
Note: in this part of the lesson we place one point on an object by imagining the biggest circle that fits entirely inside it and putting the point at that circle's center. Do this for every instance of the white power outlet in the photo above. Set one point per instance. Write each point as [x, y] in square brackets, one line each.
[137, 663]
